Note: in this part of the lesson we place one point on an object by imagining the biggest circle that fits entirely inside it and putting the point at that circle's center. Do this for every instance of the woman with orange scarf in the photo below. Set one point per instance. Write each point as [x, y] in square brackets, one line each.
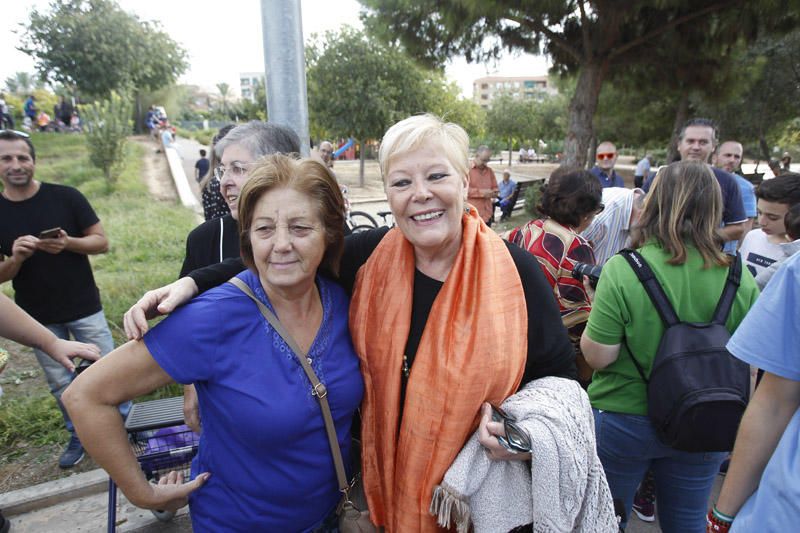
[446, 318]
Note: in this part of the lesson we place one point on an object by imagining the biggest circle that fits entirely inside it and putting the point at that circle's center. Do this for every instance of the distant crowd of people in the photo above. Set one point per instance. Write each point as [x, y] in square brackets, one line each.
[65, 117]
[534, 369]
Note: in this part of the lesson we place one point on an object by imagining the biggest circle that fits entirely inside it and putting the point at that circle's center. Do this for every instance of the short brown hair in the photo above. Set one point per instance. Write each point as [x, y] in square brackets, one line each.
[570, 195]
[684, 207]
[308, 177]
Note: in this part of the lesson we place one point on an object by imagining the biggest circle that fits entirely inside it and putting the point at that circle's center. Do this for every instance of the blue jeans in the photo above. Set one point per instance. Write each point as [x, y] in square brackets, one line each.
[91, 329]
[628, 445]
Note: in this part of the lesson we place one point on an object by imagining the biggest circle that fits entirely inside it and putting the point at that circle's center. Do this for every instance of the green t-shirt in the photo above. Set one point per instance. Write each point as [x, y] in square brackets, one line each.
[622, 309]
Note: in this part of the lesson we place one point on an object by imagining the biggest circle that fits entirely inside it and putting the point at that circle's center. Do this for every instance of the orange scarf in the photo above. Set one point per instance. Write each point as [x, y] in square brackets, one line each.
[473, 349]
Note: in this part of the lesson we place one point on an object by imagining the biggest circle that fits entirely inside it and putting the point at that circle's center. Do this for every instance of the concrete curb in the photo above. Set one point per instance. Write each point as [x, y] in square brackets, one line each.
[185, 193]
[53, 492]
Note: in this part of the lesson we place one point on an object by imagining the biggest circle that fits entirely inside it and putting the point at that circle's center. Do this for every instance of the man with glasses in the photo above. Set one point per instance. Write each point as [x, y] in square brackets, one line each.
[47, 232]
[604, 166]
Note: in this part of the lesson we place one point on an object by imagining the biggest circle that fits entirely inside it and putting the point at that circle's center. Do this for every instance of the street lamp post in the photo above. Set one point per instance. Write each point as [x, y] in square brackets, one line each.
[285, 67]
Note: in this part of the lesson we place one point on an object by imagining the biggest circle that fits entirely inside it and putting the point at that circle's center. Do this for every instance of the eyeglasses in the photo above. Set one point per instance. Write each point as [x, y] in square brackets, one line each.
[237, 169]
[599, 209]
[606, 155]
[17, 132]
[516, 440]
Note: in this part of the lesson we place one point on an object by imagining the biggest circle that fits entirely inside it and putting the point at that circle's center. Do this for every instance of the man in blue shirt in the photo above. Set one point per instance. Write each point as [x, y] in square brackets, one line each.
[728, 157]
[762, 487]
[506, 187]
[642, 171]
[604, 167]
[696, 142]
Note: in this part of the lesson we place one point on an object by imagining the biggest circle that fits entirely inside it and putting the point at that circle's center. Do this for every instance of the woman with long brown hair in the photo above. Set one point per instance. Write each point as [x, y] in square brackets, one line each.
[678, 237]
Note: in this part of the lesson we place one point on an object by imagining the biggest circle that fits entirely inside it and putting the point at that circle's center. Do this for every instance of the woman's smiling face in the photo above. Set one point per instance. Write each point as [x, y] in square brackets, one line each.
[427, 197]
[288, 239]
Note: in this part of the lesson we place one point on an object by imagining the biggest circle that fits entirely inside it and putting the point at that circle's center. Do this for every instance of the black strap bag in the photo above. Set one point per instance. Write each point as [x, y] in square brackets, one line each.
[697, 391]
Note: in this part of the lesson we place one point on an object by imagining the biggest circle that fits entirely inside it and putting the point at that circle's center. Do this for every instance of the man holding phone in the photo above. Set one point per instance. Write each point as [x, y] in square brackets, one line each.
[47, 232]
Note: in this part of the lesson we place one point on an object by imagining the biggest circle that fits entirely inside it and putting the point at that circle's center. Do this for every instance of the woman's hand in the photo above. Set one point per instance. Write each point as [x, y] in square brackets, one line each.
[171, 493]
[488, 432]
[157, 302]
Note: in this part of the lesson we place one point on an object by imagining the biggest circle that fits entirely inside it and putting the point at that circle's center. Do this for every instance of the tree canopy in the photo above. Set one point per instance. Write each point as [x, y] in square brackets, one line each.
[97, 47]
[358, 87]
[589, 38]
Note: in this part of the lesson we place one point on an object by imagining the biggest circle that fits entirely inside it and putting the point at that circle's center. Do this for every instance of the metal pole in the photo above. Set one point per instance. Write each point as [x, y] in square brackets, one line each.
[285, 67]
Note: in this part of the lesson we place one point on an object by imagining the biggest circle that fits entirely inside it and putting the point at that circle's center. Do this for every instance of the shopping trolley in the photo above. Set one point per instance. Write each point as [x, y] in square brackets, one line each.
[161, 443]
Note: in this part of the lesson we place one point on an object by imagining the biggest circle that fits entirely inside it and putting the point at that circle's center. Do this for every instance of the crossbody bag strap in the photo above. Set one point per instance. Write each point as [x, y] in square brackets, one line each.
[318, 388]
[729, 292]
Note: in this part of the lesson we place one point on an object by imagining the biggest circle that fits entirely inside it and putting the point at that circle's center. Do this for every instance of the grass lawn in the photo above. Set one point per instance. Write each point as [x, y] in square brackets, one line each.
[147, 240]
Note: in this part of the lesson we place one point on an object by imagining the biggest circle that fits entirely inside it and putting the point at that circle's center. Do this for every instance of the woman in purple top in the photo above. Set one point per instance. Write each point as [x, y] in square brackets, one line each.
[264, 461]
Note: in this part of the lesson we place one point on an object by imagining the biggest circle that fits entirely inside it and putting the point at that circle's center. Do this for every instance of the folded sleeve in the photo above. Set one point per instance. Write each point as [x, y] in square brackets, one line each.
[769, 336]
[185, 343]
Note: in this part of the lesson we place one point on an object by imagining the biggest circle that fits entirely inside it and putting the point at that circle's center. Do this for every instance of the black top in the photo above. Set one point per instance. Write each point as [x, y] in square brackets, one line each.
[52, 288]
[203, 243]
[550, 352]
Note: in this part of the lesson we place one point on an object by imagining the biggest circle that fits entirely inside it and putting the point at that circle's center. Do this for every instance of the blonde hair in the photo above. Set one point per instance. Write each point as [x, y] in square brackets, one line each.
[684, 207]
[306, 176]
[419, 130]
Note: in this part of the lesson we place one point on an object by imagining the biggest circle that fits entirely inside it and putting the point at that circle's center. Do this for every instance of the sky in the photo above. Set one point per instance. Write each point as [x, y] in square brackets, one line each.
[225, 42]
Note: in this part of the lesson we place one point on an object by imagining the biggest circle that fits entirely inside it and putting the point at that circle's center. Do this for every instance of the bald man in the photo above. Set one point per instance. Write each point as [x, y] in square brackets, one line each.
[326, 153]
[728, 157]
[603, 168]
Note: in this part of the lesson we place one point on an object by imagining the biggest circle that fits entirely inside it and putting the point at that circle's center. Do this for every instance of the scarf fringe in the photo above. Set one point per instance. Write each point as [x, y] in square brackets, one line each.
[447, 508]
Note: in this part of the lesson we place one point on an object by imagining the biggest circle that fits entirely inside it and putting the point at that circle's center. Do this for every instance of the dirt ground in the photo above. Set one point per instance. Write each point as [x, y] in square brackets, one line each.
[27, 465]
[155, 170]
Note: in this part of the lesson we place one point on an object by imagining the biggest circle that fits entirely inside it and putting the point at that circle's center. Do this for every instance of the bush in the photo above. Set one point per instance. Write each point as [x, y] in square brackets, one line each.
[533, 195]
[108, 124]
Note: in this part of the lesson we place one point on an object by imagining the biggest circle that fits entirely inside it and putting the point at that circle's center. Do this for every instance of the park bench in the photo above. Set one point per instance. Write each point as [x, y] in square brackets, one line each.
[518, 197]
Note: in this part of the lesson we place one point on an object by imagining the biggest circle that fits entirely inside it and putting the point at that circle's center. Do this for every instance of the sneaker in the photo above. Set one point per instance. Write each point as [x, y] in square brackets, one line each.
[73, 453]
[644, 508]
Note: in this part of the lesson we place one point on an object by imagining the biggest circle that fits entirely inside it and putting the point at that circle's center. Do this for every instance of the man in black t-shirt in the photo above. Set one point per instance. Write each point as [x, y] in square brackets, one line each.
[47, 232]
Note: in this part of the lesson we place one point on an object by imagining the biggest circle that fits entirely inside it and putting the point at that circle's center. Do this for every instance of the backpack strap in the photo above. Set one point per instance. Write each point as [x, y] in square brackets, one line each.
[729, 292]
[652, 287]
[656, 293]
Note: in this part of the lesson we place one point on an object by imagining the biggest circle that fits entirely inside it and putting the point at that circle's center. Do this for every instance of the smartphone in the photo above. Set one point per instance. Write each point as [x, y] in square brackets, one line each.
[83, 365]
[51, 233]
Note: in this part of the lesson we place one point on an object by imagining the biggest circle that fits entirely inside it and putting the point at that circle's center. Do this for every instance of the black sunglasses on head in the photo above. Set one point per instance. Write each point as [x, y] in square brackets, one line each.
[17, 132]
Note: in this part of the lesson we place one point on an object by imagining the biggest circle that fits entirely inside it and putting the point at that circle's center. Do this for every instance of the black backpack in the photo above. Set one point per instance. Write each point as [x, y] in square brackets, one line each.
[697, 391]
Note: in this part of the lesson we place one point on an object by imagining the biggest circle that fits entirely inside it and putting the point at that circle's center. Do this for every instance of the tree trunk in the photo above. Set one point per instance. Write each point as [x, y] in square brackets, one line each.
[762, 143]
[510, 143]
[592, 150]
[137, 119]
[581, 113]
[681, 116]
[362, 156]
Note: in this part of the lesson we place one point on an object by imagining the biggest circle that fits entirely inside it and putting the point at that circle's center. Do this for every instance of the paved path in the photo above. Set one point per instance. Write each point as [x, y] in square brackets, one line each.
[90, 514]
[189, 150]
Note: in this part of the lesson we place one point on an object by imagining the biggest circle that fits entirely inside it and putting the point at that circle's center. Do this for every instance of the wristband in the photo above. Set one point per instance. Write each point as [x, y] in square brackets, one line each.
[717, 525]
[722, 516]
